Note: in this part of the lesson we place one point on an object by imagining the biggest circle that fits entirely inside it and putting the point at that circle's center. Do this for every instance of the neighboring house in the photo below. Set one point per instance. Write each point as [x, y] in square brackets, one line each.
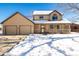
[75, 27]
[1, 29]
[43, 22]
[50, 22]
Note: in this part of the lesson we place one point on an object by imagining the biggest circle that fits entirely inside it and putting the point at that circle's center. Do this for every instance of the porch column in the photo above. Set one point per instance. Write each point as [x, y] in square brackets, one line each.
[69, 28]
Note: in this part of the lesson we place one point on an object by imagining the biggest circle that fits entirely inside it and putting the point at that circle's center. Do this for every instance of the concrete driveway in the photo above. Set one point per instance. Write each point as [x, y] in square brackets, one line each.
[7, 42]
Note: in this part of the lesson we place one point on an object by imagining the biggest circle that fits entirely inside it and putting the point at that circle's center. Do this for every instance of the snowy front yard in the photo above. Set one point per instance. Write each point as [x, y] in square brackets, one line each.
[47, 45]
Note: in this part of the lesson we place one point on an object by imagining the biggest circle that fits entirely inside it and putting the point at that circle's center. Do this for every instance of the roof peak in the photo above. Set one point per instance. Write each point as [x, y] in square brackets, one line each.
[14, 15]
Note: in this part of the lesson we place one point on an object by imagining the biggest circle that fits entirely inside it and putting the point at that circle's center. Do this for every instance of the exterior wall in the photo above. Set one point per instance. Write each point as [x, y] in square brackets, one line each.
[37, 17]
[63, 28]
[47, 28]
[47, 17]
[59, 16]
[52, 30]
[75, 27]
[1, 29]
[37, 28]
[18, 20]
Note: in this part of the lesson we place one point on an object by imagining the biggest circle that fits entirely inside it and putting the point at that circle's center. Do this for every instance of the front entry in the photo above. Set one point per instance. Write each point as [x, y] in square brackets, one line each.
[42, 28]
[59, 29]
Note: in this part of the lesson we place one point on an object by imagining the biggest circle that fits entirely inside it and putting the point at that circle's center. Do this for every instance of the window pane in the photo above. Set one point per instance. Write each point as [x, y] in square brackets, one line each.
[54, 18]
[51, 26]
[41, 17]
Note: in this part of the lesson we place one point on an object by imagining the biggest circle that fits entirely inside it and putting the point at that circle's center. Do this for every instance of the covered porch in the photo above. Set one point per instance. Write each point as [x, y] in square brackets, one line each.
[52, 28]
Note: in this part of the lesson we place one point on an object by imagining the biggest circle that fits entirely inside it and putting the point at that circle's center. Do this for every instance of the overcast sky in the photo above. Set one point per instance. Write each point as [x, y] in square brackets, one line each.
[26, 9]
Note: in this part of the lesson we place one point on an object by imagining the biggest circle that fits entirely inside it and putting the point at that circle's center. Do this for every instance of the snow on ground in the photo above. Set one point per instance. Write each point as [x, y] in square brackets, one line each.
[47, 45]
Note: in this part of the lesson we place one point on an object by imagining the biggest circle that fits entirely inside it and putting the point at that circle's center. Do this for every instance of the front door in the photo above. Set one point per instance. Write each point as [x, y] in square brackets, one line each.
[42, 28]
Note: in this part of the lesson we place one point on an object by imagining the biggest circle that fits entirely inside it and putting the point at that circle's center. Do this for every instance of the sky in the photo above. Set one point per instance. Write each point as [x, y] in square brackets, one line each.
[7, 9]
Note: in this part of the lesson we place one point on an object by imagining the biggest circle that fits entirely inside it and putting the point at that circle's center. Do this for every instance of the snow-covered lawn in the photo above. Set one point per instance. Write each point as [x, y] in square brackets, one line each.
[47, 45]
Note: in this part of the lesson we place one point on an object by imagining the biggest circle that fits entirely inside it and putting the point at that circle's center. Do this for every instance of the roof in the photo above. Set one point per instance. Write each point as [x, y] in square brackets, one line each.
[15, 14]
[51, 22]
[76, 23]
[44, 12]
[41, 12]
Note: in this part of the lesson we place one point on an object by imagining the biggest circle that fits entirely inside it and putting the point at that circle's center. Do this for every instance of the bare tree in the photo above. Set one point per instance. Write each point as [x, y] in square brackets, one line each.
[71, 7]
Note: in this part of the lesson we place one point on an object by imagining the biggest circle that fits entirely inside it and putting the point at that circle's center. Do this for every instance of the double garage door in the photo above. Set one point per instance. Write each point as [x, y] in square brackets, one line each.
[21, 30]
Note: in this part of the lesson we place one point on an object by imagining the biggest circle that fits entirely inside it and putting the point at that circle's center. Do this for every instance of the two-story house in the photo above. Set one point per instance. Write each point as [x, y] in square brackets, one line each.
[50, 22]
[43, 22]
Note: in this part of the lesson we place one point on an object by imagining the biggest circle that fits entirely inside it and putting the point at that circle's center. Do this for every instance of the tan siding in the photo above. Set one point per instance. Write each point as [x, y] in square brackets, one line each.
[54, 30]
[65, 28]
[46, 27]
[37, 28]
[59, 16]
[36, 17]
[19, 20]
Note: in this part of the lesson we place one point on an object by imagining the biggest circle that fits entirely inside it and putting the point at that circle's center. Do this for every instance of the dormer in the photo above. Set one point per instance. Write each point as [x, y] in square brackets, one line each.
[47, 15]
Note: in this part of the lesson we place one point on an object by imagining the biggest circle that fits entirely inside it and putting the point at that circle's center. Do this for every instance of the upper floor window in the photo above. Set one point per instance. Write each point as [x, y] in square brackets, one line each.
[41, 17]
[54, 17]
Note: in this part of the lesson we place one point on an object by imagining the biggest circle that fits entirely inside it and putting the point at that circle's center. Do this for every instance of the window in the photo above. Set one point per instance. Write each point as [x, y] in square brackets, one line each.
[54, 17]
[41, 17]
[51, 26]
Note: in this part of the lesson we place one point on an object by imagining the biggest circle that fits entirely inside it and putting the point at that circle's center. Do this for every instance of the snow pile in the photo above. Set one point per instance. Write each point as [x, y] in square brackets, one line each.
[67, 46]
[47, 45]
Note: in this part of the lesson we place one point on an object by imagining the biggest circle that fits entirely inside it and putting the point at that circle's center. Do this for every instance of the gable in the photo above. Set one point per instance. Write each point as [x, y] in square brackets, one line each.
[17, 19]
[59, 15]
[55, 11]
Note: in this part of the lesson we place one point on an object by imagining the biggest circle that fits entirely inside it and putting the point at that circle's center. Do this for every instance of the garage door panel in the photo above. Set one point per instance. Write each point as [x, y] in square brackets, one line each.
[10, 30]
[13, 29]
[25, 29]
